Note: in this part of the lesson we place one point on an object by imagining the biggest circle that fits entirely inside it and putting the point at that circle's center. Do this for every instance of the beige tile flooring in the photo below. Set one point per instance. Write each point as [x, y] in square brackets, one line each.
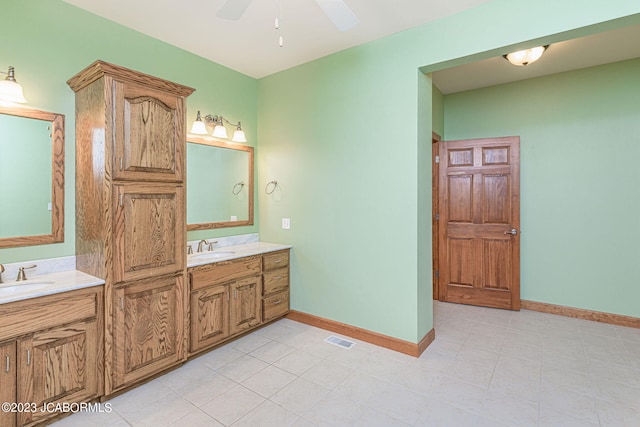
[486, 368]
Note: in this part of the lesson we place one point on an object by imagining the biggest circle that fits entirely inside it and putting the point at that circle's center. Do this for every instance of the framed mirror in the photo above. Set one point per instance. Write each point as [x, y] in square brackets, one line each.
[31, 177]
[219, 184]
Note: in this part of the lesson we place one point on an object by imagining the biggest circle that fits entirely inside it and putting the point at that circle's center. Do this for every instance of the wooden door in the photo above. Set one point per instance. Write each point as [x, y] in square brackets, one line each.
[149, 230]
[149, 133]
[244, 311]
[8, 380]
[480, 222]
[209, 316]
[58, 366]
[148, 328]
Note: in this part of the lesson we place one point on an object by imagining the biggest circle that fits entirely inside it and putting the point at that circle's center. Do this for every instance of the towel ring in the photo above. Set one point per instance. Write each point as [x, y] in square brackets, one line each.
[266, 188]
[233, 190]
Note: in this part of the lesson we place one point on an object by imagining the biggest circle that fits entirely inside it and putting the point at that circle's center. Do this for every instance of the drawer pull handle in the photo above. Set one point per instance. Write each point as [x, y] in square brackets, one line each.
[278, 277]
[121, 163]
[277, 261]
[121, 199]
[122, 303]
[28, 357]
[277, 302]
[8, 368]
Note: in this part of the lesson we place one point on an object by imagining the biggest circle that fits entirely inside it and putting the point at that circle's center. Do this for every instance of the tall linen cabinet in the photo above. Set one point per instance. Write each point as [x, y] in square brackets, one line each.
[130, 215]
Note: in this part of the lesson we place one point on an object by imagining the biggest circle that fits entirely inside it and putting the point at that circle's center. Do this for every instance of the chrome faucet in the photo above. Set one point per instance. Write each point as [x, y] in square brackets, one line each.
[1, 271]
[202, 242]
[21, 273]
[208, 243]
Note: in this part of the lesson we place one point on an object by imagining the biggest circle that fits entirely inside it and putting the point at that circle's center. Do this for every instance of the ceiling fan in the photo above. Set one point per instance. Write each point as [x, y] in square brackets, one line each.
[338, 12]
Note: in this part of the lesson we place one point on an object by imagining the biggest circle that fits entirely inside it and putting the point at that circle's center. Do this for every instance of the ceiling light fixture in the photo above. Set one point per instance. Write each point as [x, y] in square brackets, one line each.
[525, 57]
[10, 89]
[199, 127]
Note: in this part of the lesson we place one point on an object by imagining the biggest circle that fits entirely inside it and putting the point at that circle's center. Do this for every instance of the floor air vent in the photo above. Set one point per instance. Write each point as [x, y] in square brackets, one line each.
[340, 342]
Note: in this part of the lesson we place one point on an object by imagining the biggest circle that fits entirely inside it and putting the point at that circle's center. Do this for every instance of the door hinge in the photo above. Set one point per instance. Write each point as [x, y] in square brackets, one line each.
[437, 217]
[437, 274]
[437, 159]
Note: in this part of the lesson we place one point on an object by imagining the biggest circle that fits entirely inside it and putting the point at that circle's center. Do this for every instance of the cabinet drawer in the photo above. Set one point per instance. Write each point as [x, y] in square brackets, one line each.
[224, 271]
[275, 281]
[41, 313]
[276, 260]
[275, 306]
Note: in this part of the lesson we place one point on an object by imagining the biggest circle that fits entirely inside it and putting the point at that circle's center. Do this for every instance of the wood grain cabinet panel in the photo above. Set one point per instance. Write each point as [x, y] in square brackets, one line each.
[245, 308]
[148, 335]
[275, 306]
[209, 316]
[8, 383]
[149, 133]
[58, 366]
[149, 231]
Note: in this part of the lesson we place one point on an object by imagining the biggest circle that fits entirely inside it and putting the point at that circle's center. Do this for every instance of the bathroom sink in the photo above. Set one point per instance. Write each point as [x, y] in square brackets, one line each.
[23, 287]
[211, 255]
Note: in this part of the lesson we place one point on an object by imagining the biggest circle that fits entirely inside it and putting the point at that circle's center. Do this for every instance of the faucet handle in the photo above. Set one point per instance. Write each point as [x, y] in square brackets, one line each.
[189, 250]
[1, 271]
[211, 243]
[21, 273]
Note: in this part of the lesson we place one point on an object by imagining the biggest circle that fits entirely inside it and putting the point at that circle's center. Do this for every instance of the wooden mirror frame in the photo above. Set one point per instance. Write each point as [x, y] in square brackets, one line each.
[57, 179]
[224, 224]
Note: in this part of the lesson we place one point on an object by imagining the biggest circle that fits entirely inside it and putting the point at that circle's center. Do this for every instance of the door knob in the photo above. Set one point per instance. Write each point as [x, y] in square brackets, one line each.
[513, 231]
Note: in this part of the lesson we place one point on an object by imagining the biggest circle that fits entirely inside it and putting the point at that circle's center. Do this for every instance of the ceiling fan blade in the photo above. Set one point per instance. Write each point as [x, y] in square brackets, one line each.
[339, 13]
[233, 9]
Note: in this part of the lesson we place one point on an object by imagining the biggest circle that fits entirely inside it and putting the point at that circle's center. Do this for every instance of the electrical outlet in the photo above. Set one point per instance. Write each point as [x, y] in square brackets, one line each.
[286, 223]
[234, 218]
[49, 207]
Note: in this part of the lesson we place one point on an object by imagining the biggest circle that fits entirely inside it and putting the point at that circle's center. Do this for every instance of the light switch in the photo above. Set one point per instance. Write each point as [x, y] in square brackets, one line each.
[234, 218]
[286, 223]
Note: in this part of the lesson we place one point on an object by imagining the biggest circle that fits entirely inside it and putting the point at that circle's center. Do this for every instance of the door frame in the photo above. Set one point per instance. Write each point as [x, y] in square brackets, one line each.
[435, 220]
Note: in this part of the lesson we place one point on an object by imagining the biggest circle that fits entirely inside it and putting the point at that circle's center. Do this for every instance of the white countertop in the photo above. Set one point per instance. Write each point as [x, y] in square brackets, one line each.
[232, 252]
[46, 284]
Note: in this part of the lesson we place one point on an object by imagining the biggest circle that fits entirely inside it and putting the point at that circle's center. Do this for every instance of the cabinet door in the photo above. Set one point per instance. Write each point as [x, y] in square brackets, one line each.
[58, 366]
[148, 328]
[8, 381]
[209, 316]
[149, 230]
[244, 311]
[149, 132]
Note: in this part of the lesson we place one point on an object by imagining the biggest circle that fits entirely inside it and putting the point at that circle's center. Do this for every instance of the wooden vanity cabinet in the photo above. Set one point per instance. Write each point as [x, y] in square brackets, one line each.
[231, 297]
[225, 300]
[52, 353]
[130, 215]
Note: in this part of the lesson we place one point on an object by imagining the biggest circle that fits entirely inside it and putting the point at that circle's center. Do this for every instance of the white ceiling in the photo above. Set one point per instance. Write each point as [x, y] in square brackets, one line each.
[589, 51]
[250, 45]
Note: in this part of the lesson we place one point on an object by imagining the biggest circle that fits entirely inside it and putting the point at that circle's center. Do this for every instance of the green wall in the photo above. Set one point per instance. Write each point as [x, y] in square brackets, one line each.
[347, 138]
[49, 41]
[580, 141]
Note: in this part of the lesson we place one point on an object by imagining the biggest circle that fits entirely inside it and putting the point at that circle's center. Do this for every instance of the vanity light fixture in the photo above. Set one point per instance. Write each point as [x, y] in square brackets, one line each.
[10, 89]
[525, 57]
[199, 127]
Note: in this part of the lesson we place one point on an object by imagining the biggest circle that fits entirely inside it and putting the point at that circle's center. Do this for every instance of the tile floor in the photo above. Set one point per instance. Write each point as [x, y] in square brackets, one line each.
[486, 368]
